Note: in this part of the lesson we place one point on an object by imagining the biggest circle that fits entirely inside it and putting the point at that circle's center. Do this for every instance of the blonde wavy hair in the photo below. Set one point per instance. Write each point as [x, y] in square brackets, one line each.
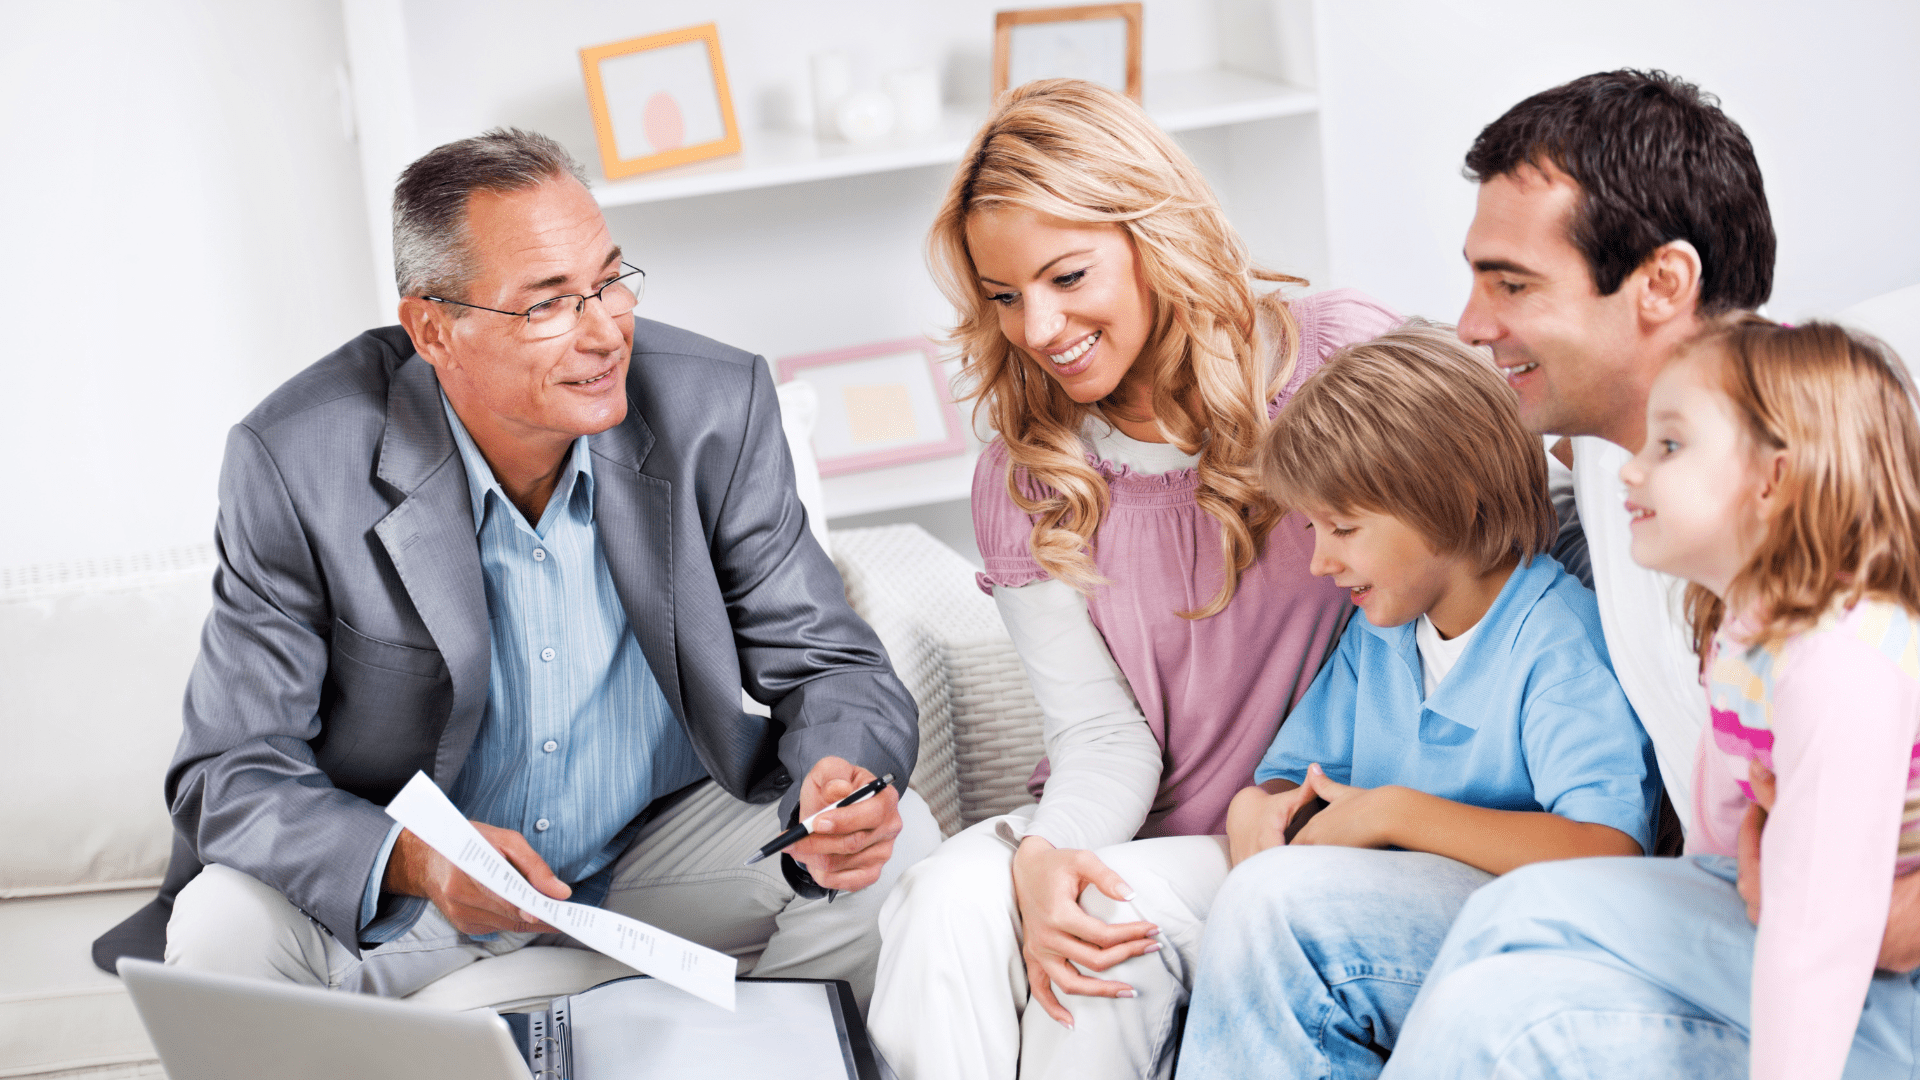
[1077, 152]
[1841, 405]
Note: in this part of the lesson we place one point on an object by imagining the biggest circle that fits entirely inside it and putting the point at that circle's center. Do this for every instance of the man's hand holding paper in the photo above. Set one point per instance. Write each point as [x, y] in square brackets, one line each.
[427, 813]
[416, 869]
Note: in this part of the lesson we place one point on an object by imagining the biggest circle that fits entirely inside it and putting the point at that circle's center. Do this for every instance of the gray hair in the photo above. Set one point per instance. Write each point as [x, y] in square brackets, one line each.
[430, 254]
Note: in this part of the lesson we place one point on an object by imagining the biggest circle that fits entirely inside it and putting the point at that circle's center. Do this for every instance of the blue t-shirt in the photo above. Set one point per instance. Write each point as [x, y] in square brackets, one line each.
[1530, 718]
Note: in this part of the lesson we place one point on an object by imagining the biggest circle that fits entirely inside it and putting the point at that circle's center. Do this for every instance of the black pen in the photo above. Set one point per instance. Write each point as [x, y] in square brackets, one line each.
[801, 831]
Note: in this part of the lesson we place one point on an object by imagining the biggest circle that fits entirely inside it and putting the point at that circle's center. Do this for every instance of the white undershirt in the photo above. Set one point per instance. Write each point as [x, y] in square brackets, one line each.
[1438, 654]
[1148, 458]
[1640, 614]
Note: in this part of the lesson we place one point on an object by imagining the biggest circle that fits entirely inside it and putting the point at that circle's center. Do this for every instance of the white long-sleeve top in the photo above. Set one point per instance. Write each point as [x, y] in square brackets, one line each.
[1105, 763]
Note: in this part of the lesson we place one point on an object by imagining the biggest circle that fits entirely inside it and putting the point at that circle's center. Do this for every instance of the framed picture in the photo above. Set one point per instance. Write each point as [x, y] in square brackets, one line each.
[1096, 42]
[880, 405]
[660, 100]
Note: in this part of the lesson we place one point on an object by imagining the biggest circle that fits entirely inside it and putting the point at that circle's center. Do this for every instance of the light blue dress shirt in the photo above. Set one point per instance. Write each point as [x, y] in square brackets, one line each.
[577, 737]
[1530, 718]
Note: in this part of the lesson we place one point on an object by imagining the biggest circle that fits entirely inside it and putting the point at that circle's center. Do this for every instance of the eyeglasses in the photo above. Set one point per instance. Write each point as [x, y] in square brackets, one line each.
[552, 318]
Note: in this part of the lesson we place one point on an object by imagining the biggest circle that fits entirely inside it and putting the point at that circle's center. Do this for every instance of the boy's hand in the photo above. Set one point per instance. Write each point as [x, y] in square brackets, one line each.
[1355, 816]
[1257, 819]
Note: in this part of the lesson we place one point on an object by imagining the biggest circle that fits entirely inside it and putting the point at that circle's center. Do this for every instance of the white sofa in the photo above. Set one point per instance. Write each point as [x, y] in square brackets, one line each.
[94, 657]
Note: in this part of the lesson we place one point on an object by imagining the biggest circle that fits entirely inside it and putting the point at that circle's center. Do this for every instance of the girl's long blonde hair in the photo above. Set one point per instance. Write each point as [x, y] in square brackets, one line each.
[1077, 152]
[1848, 519]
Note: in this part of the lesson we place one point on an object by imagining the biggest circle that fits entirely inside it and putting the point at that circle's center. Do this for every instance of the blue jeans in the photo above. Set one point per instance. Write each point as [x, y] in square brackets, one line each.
[1312, 957]
[1614, 968]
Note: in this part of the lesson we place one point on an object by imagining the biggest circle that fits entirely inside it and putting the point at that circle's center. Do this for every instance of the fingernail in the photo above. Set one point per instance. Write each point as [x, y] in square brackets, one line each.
[528, 916]
[1127, 993]
[1155, 947]
[1130, 894]
[1068, 1024]
[823, 825]
[1153, 931]
[1314, 767]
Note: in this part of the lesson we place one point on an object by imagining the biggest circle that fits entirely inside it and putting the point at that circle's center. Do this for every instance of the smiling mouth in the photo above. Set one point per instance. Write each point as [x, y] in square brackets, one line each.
[1062, 359]
[1518, 370]
[1359, 591]
[593, 381]
[1638, 514]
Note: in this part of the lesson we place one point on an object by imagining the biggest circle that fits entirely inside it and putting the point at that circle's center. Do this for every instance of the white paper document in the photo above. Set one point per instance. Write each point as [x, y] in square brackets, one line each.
[637, 1027]
[423, 808]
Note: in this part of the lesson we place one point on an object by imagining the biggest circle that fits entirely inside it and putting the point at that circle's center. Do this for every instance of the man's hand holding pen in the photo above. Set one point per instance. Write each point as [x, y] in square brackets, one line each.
[848, 846]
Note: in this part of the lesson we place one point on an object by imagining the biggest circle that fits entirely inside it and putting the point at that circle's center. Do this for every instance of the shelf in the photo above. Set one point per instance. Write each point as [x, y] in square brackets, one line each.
[899, 486]
[1178, 101]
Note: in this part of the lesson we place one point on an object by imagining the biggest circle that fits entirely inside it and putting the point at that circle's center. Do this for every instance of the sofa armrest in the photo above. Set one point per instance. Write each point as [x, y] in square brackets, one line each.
[979, 723]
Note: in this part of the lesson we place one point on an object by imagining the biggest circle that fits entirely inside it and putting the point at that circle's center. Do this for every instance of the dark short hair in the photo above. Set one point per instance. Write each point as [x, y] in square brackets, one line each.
[1656, 160]
[430, 202]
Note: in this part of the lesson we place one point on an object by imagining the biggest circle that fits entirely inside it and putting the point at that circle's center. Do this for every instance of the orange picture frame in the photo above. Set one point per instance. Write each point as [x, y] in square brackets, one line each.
[656, 105]
[1005, 21]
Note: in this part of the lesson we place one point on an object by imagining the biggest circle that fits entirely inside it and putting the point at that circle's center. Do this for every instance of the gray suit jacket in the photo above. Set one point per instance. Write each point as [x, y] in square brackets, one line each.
[348, 643]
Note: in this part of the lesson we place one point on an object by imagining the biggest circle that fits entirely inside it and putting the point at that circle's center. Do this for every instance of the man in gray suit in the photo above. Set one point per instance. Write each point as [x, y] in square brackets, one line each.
[534, 547]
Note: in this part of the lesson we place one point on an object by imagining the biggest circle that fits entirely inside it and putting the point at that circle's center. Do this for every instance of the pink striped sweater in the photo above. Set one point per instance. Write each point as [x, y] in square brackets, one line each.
[1835, 713]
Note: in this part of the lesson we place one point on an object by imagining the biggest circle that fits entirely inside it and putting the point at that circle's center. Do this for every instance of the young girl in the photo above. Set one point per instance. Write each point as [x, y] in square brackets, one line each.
[1781, 476]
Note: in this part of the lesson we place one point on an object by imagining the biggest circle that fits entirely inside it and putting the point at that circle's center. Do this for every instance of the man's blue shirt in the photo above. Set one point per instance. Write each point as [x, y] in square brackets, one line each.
[1530, 718]
[577, 737]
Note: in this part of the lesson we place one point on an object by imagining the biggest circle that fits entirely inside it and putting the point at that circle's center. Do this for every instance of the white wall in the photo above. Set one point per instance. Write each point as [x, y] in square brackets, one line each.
[198, 231]
[781, 271]
[183, 230]
[1828, 93]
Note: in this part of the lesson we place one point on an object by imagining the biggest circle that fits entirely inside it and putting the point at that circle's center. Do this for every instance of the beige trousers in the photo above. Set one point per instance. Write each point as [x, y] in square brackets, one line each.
[682, 873]
[952, 996]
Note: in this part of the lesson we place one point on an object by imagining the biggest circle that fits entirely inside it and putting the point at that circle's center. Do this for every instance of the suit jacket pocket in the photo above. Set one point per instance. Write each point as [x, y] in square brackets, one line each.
[381, 712]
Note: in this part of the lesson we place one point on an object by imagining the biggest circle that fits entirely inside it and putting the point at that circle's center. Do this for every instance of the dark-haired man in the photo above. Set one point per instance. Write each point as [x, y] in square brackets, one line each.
[534, 546]
[1615, 213]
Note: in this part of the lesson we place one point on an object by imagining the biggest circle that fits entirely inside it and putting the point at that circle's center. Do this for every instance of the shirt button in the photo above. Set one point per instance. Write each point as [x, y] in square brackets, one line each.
[550, 746]
[547, 654]
[541, 825]
[539, 554]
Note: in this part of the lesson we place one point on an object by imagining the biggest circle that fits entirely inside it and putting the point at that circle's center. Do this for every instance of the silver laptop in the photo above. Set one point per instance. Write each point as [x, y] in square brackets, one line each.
[217, 1027]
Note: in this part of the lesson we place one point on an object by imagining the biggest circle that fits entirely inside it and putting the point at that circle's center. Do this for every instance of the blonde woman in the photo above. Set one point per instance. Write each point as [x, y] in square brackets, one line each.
[1160, 602]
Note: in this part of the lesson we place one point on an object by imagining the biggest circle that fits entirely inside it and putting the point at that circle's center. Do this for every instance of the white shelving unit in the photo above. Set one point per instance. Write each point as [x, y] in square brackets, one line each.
[1178, 101]
[799, 244]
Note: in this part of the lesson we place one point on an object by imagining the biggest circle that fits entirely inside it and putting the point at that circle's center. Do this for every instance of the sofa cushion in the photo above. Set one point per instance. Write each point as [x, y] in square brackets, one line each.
[58, 1011]
[94, 658]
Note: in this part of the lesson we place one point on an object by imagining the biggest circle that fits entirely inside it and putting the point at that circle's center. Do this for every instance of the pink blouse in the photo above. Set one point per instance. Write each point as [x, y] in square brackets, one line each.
[1213, 690]
[1835, 713]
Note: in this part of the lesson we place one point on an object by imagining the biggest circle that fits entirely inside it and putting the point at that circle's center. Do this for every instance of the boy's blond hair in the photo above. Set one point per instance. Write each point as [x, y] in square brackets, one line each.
[1418, 426]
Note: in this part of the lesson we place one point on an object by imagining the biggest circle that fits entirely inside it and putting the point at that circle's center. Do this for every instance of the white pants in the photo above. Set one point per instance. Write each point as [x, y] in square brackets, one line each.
[682, 873]
[952, 996]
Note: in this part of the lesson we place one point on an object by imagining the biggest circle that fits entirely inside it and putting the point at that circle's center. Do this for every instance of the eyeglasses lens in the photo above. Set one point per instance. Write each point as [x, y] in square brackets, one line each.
[562, 313]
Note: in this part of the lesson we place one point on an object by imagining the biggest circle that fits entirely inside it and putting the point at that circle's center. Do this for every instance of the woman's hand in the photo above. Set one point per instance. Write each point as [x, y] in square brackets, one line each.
[1355, 816]
[1047, 883]
[1258, 817]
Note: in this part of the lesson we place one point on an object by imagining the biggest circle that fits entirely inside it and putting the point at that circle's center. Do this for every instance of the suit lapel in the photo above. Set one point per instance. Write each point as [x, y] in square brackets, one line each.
[430, 538]
[633, 514]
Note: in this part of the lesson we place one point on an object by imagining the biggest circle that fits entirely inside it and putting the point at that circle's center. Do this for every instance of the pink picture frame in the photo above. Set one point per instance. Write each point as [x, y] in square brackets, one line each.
[882, 404]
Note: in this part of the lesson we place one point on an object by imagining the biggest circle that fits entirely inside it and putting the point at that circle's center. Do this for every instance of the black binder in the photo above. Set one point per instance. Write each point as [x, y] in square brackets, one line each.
[548, 1038]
